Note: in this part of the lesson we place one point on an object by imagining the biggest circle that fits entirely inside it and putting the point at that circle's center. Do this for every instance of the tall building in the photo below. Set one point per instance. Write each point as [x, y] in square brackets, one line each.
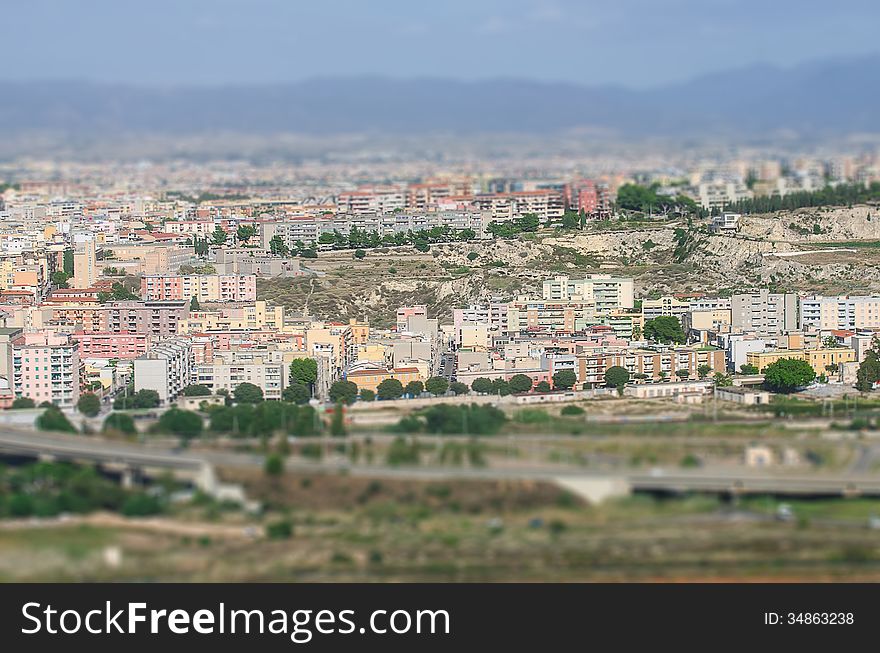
[85, 265]
[165, 368]
[764, 312]
[46, 367]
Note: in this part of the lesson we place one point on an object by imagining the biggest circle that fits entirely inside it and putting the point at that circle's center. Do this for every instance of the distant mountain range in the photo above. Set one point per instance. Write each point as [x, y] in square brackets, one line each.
[824, 98]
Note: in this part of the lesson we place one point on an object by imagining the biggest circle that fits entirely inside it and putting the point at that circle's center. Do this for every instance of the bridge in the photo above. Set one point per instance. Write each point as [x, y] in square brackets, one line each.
[133, 460]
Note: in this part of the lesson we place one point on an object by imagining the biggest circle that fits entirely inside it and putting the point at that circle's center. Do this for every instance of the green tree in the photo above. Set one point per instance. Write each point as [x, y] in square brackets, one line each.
[88, 404]
[219, 236]
[414, 388]
[459, 388]
[437, 385]
[788, 374]
[119, 423]
[722, 380]
[296, 393]
[194, 304]
[665, 329]
[390, 389]
[748, 369]
[305, 371]
[273, 465]
[616, 377]
[337, 421]
[521, 383]
[343, 392]
[245, 232]
[53, 419]
[196, 390]
[703, 370]
[869, 371]
[482, 385]
[359, 254]
[183, 423]
[564, 380]
[500, 387]
[368, 395]
[23, 402]
[543, 386]
[68, 262]
[247, 393]
[59, 279]
[146, 399]
[683, 373]
[277, 246]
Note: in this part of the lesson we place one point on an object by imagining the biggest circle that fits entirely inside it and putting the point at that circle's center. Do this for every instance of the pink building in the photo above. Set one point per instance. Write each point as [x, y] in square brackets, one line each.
[46, 367]
[112, 345]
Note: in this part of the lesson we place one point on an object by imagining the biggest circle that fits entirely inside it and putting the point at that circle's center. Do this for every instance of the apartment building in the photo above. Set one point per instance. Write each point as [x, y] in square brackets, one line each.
[839, 313]
[256, 316]
[547, 315]
[764, 312]
[111, 345]
[166, 368]
[717, 195]
[374, 200]
[157, 318]
[46, 367]
[147, 259]
[607, 292]
[545, 203]
[204, 287]
[85, 265]
[668, 305]
[648, 365]
[263, 367]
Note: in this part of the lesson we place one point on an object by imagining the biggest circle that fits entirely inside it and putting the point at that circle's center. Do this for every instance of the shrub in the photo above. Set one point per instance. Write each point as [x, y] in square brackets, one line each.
[279, 530]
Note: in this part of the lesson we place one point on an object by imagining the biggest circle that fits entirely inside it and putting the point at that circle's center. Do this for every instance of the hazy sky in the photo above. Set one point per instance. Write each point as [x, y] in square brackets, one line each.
[629, 42]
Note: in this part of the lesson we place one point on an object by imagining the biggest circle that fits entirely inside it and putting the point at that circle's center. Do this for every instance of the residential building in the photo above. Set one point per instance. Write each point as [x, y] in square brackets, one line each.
[166, 368]
[46, 367]
[204, 287]
[764, 312]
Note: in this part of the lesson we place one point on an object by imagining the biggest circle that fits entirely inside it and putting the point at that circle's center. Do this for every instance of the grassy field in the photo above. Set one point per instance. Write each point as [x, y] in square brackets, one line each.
[348, 529]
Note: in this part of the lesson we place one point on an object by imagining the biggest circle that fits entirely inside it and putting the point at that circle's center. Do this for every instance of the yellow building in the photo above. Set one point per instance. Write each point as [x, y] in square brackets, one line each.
[817, 358]
[360, 331]
[370, 379]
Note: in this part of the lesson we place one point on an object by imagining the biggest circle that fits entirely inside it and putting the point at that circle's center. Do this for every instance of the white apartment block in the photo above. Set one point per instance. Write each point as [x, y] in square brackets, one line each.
[166, 368]
[826, 313]
[607, 292]
[719, 194]
[228, 369]
[764, 312]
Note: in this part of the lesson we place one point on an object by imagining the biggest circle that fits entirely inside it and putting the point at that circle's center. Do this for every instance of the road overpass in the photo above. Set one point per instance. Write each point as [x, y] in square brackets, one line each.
[591, 484]
[129, 460]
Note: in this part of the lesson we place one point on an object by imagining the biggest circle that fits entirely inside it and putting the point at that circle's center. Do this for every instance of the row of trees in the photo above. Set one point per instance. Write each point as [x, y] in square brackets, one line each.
[645, 199]
[421, 239]
[841, 195]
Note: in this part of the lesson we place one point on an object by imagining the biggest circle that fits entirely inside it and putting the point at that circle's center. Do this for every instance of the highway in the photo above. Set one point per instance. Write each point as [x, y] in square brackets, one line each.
[717, 481]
